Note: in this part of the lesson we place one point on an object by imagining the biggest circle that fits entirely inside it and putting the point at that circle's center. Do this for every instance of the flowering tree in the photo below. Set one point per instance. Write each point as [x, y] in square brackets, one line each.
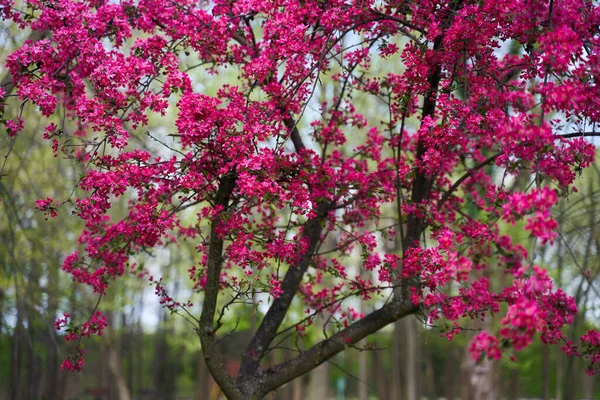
[476, 95]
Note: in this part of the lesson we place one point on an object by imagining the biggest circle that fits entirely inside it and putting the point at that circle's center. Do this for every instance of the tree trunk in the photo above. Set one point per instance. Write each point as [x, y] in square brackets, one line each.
[33, 364]
[450, 378]
[480, 382]
[513, 389]
[411, 367]
[16, 355]
[297, 392]
[114, 363]
[52, 388]
[431, 388]
[380, 375]
[588, 387]
[397, 361]
[139, 353]
[363, 388]
[318, 387]
[546, 374]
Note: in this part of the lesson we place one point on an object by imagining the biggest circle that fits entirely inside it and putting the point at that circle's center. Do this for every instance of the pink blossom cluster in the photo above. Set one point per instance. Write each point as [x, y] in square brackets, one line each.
[591, 351]
[75, 333]
[74, 361]
[48, 207]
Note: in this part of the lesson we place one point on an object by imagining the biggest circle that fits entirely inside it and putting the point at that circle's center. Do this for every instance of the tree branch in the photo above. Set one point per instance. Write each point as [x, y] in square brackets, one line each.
[465, 177]
[288, 370]
[579, 134]
[294, 133]
[250, 369]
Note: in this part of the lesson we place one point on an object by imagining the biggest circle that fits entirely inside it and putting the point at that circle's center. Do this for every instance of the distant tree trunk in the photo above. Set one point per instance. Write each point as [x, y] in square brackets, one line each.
[560, 357]
[114, 363]
[52, 389]
[2, 296]
[451, 365]
[381, 374]
[588, 387]
[363, 376]
[318, 387]
[480, 377]
[34, 367]
[546, 374]
[513, 388]
[203, 380]
[160, 362]
[397, 361]
[411, 367]
[16, 352]
[126, 350]
[430, 389]
[297, 392]
[33, 361]
[480, 384]
[570, 375]
[139, 353]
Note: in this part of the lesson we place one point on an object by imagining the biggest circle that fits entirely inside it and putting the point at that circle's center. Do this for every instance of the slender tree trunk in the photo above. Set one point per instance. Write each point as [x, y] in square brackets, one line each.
[125, 348]
[397, 361]
[52, 388]
[363, 376]
[513, 389]
[560, 357]
[481, 382]
[381, 383]
[33, 365]
[431, 387]
[546, 374]
[203, 380]
[319, 382]
[2, 296]
[16, 355]
[139, 356]
[161, 358]
[588, 387]
[450, 376]
[411, 367]
[114, 363]
[297, 392]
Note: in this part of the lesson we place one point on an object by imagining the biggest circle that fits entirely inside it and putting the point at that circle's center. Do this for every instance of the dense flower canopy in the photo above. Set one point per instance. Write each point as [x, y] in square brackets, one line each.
[450, 120]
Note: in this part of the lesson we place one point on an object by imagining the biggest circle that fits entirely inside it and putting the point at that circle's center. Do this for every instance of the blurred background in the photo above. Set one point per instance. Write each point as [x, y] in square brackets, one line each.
[145, 353]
